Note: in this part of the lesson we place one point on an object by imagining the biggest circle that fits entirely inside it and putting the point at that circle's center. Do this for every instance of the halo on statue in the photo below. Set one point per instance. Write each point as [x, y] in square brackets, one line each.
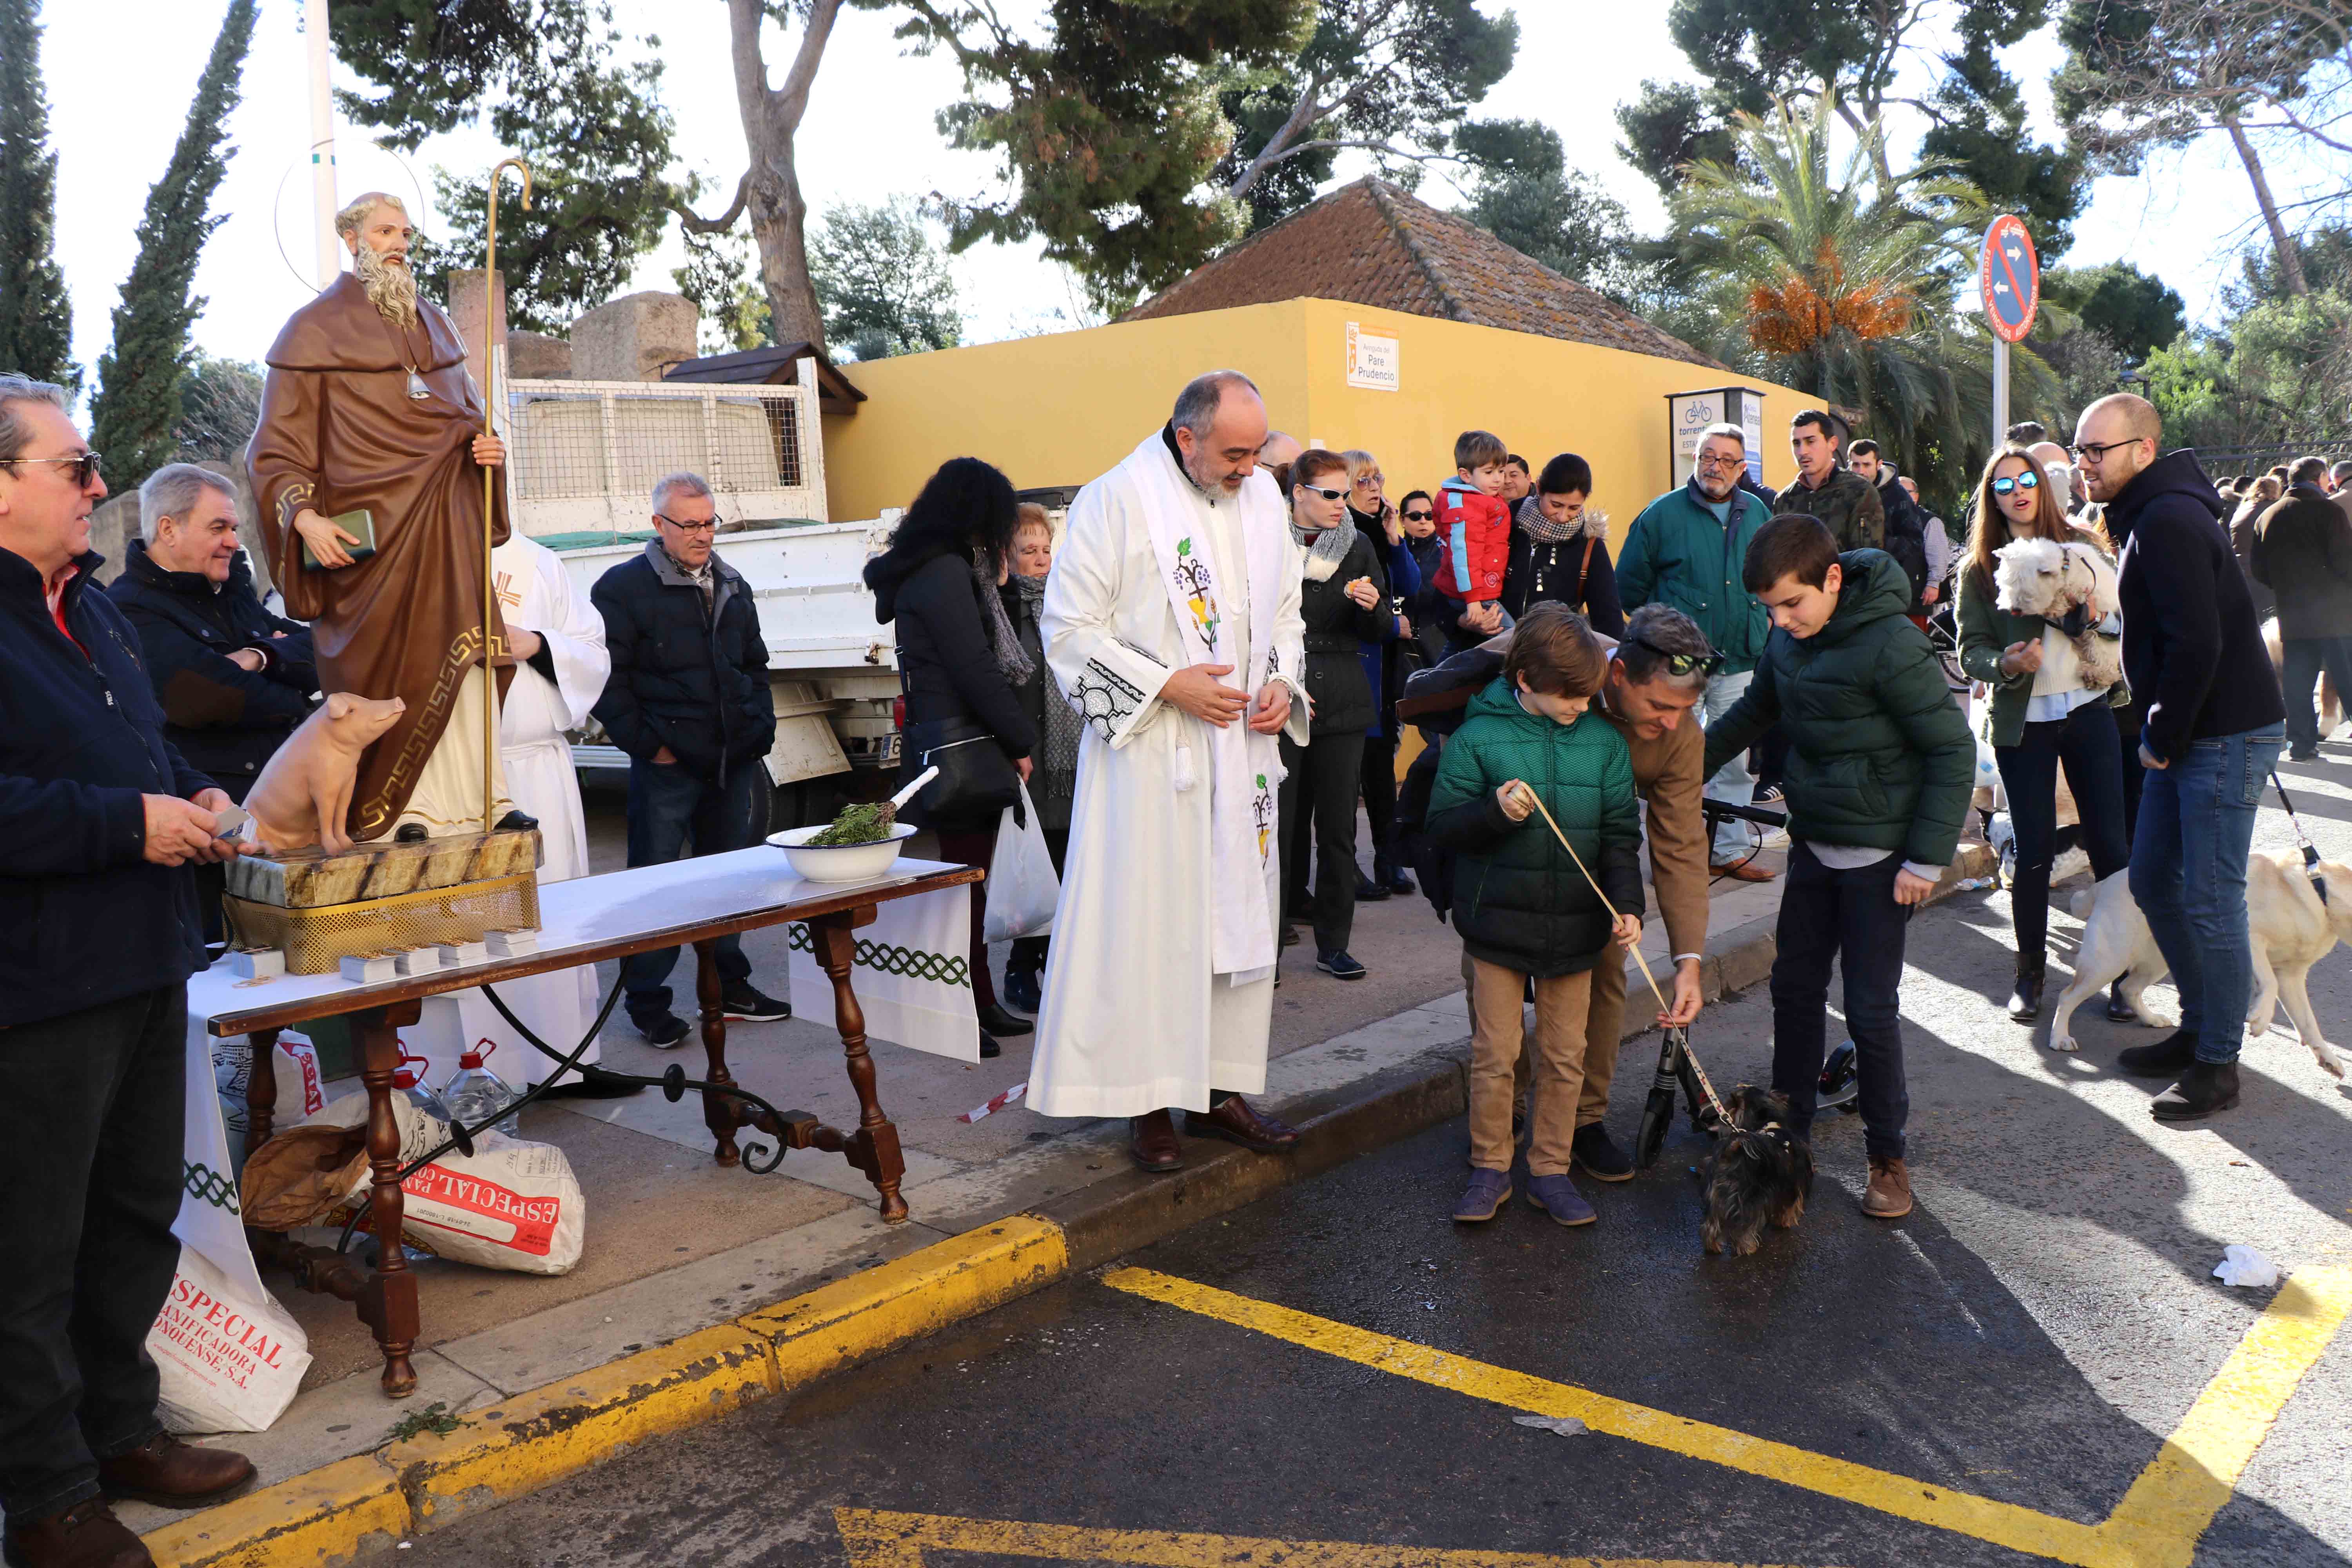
[362, 173]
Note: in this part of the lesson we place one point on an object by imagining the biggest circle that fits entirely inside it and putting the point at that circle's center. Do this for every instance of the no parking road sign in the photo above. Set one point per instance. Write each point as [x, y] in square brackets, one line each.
[2010, 275]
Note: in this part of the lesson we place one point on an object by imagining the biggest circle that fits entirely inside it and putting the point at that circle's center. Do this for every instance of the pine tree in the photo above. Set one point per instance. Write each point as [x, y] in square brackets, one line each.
[138, 405]
[35, 316]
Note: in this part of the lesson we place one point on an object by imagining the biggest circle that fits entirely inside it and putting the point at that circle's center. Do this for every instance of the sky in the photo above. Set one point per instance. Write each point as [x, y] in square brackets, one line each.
[870, 134]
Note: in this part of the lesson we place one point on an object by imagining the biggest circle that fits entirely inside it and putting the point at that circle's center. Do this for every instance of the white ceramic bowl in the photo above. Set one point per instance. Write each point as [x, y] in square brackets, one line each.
[839, 862]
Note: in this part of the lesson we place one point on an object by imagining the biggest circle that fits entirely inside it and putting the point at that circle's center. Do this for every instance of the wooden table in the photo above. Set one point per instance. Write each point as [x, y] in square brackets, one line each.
[588, 920]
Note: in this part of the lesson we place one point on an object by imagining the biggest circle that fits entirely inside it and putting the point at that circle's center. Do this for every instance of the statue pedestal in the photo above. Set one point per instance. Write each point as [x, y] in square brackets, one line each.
[320, 908]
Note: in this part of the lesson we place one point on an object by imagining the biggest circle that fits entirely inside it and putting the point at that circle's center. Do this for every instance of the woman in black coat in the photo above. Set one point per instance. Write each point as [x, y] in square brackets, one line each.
[959, 664]
[1559, 550]
[1343, 599]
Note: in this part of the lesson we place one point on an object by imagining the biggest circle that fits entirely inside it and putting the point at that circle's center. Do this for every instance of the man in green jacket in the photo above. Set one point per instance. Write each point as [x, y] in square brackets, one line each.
[1880, 764]
[1685, 552]
[1845, 502]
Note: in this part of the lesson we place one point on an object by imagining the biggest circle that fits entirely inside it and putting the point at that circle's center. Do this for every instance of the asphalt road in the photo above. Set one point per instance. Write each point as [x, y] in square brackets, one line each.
[2016, 1354]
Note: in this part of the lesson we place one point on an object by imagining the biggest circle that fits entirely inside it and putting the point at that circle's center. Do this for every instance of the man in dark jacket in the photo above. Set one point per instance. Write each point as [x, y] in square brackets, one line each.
[2213, 730]
[98, 938]
[1880, 765]
[1907, 524]
[2302, 550]
[688, 701]
[1845, 502]
[234, 680]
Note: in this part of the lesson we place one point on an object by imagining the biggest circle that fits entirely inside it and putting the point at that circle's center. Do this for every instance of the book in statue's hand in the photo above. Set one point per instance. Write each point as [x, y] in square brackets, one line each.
[361, 525]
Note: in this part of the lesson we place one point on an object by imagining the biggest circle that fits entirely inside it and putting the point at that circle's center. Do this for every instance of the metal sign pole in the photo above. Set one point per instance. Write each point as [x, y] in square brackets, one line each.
[2000, 391]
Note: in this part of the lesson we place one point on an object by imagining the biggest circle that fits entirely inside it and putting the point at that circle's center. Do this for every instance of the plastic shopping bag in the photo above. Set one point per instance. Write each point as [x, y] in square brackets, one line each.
[1022, 886]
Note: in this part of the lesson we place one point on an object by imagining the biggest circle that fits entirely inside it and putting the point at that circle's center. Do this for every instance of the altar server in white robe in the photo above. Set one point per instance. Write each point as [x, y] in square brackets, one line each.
[560, 670]
[1171, 621]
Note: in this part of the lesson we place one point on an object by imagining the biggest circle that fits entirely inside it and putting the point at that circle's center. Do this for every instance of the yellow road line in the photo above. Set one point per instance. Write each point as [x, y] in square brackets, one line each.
[2166, 1511]
[874, 1539]
[2158, 1522]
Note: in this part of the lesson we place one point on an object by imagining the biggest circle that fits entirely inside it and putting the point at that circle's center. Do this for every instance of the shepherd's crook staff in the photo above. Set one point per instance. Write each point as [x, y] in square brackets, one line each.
[489, 402]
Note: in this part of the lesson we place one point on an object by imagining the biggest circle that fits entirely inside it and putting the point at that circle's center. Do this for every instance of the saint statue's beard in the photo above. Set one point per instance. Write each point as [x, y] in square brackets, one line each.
[391, 289]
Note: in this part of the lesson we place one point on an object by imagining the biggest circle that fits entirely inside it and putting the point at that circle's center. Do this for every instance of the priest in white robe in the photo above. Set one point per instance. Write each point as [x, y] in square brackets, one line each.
[561, 667]
[1172, 622]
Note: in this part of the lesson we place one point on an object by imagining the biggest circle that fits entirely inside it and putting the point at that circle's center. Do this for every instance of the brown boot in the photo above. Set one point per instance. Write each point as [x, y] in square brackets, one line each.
[1152, 1142]
[1889, 1193]
[171, 1474]
[85, 1535]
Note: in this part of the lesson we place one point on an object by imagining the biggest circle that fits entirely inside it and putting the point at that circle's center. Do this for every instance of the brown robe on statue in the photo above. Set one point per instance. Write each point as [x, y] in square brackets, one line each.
[339, 432]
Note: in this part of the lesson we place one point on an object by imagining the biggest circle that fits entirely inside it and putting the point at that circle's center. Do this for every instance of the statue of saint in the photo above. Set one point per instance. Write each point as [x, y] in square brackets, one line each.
[368, 406]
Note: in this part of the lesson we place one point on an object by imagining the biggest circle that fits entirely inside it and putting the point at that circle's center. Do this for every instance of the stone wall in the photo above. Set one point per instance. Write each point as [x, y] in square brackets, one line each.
[634, 338]
[115, 524]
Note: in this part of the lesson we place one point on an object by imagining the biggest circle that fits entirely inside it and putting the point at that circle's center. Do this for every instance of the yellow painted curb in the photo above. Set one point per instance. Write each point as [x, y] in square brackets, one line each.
[910, 1297]
[330, 1515]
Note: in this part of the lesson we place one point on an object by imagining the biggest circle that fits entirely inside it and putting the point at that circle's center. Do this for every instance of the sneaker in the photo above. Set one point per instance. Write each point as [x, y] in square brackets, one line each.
[1338, 966]
[666, 1032]
[1888, 1196]
[2168, 1057]
[1488, 1192]
[2204, 1089]
[1023, 990]
[1766, 795]
[1601, 1160]
[741, 1003]
[1558, 1196]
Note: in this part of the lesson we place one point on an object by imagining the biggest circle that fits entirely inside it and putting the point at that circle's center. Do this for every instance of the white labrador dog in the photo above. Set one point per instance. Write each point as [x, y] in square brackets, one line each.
[2291, 931]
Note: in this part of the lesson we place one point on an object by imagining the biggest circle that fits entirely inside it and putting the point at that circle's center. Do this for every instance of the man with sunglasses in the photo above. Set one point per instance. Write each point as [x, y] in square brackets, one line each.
[2213, 730]
[99, 933]
[1685, 551]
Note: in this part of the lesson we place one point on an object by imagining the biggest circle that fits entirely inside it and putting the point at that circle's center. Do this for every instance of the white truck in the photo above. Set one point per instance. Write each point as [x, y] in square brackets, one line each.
[584, 460]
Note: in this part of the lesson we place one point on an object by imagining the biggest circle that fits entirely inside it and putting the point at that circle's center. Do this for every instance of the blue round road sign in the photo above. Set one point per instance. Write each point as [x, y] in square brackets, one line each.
[2010, 275]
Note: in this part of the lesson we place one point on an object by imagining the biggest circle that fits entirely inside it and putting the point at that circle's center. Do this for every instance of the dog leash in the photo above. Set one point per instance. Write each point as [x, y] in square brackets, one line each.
[1714, 1100]
[2310, 855]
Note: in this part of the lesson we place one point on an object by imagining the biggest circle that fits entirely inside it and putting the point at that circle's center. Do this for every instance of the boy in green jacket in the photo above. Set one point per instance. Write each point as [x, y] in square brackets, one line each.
[1880, 764]
[1523, 908]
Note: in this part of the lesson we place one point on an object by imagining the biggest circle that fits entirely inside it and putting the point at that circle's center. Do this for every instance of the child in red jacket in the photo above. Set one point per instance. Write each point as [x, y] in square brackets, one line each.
[1474, 522]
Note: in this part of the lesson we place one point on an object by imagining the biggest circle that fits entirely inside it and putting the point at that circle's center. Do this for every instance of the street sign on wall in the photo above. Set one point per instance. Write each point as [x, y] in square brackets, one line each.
[1688, 414]
[2009, 273]
[1373, 362]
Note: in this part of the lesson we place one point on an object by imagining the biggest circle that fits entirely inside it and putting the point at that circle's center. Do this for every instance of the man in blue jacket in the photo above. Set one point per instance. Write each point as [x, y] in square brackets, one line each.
[98, 937]
[2211, 732]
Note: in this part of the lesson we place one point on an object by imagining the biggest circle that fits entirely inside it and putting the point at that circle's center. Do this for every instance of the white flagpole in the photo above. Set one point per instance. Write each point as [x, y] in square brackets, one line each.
[323, 142]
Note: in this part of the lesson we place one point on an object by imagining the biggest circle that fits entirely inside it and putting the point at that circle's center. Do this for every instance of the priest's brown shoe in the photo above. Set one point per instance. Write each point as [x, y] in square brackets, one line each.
[1152, 1142]
[1235, 1122]
[85, 1535]
[1888, 1195]
[171, 1474]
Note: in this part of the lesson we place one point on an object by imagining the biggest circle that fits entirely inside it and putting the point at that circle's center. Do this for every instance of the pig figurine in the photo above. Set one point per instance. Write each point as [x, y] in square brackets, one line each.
[304, 792]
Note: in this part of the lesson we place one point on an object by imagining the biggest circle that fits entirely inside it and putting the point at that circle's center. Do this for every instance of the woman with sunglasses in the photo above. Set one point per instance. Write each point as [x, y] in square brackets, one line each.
[1386, 665]
[2043, 713]
[1344, 601]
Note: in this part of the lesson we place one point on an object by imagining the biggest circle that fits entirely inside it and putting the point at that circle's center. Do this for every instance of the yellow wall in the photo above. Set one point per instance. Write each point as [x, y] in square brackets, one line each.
[1060, 409]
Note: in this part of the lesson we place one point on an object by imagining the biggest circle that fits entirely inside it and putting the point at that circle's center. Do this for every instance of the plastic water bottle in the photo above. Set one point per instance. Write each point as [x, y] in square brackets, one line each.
[474, 1094]
[409, 1078]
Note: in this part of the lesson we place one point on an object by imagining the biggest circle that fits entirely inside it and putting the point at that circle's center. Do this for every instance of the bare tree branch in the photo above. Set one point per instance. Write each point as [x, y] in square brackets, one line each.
[721, 224]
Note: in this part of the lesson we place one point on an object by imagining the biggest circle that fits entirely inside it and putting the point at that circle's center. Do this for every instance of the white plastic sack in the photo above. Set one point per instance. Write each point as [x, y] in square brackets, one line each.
[2245, 1265]
[1022, 886]
[293, 1060]
[512, 1204]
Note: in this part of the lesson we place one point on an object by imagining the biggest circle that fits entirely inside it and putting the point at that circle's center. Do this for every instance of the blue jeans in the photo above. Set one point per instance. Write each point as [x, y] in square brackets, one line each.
[668, 805]
[1732, 782]
[2305, 659]
[2189, 876]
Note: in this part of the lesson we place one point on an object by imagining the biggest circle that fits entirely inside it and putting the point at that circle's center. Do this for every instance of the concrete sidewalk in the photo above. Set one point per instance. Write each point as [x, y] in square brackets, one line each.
[678, 1247]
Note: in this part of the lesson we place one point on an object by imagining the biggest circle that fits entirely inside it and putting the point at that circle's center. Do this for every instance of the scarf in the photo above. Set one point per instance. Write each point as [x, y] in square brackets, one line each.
[1532, 521]
[1002, 639]
[1326, 548]
[1057, 750]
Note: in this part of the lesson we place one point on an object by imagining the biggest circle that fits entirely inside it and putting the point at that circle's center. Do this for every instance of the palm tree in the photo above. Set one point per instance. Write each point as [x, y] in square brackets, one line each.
[1817, 277]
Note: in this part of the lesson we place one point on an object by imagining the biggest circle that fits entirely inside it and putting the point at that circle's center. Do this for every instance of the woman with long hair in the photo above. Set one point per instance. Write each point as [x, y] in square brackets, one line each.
[1387, 662]
[2255, 497]
[960, 663]
[2045, 712]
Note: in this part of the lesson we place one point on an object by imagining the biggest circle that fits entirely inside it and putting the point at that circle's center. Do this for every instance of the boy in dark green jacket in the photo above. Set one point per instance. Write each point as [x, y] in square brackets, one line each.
[1523, 908]
[1880, 764]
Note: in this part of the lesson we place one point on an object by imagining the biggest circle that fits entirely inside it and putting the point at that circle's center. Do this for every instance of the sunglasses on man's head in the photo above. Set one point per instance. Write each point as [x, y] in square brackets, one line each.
[1420, 517]
[2025, 481]
[1680, 664]
[1319, 490]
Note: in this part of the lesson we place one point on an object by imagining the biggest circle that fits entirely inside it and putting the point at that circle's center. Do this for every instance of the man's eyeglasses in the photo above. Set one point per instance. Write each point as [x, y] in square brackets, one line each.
[1707, 460]
[709, 526]
[84, 466]
[1681, 663]
[1319, 490]
[2096, 452]
[2025, 481]
[1420, 517]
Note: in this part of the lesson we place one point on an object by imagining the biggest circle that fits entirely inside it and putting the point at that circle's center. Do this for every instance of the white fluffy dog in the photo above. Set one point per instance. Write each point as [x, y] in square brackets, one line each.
[2291, 931]
[2038, 576]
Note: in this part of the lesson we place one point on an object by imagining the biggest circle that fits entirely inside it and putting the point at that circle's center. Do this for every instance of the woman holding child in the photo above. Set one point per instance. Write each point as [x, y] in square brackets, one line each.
[2044, 711]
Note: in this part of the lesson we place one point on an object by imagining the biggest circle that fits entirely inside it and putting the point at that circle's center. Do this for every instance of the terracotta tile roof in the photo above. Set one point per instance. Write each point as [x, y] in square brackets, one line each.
[1371, 244]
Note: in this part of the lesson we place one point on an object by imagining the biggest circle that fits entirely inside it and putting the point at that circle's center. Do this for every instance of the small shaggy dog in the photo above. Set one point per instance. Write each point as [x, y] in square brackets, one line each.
[1760, 1172]
[2290, 930]
[2038, 577]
